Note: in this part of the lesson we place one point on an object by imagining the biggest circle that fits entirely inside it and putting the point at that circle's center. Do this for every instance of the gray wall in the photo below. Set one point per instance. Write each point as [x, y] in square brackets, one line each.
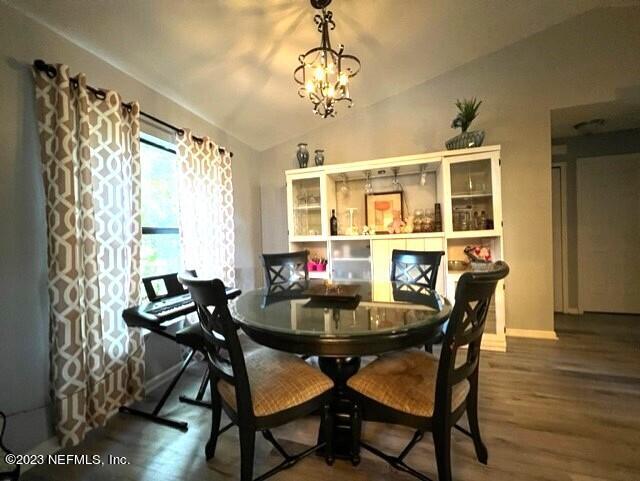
[24, 350]
[568, 64]
[610, 143]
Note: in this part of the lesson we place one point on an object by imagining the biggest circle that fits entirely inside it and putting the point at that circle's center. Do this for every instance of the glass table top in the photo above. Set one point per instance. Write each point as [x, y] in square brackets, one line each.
[380, 308]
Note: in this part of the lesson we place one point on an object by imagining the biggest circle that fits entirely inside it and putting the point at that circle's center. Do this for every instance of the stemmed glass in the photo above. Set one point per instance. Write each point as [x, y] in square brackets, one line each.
[368, 187]
[344, 188]
[395, 184]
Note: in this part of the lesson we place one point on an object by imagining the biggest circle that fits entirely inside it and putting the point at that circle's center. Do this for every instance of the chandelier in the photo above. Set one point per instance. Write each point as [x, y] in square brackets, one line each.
[324, 73]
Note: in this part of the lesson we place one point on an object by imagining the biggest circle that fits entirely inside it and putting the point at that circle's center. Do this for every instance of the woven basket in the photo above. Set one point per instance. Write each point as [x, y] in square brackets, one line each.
[466, 140]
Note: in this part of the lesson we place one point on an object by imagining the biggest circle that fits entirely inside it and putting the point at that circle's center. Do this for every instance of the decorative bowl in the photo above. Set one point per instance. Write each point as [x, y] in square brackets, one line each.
[457, 265]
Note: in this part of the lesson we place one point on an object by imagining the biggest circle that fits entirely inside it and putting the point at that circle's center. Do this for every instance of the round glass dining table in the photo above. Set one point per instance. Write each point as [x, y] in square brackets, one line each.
[339, 322]
[342, 319]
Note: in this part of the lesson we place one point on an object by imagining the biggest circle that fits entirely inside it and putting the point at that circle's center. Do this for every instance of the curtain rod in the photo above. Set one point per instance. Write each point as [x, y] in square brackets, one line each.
[51, 71]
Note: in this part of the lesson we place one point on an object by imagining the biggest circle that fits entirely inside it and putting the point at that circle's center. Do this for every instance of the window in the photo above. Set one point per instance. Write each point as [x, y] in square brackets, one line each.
[160, 234]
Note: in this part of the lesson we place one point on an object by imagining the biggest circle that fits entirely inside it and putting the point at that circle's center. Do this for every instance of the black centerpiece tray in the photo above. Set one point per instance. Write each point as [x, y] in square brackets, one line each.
[332, 296]
[333, 292]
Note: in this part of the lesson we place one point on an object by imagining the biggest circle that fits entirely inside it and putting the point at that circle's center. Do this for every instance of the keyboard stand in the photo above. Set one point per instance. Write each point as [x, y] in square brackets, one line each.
[154, 415]
[197, 401]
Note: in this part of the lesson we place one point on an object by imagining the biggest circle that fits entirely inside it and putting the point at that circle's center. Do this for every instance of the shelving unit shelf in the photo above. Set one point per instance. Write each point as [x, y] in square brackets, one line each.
[469, 196]
[466, 184]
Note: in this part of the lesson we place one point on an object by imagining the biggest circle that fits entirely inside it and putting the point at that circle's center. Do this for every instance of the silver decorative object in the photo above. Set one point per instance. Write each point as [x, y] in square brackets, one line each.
[466, 140]
[319, 157]
[302, 154]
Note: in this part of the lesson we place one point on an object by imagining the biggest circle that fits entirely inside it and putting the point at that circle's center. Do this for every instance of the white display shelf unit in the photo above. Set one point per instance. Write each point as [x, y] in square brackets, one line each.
[473, 215]
[474, 234]
[319, 274]
[406, 235]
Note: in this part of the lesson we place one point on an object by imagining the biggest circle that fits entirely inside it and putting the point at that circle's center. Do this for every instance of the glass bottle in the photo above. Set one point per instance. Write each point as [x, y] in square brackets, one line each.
[482, 221]
[333, 222]
[437, 219]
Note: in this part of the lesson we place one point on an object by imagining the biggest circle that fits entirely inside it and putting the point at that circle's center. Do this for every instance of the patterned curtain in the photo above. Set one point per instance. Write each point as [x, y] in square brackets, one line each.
[206, 208]
[91, 169]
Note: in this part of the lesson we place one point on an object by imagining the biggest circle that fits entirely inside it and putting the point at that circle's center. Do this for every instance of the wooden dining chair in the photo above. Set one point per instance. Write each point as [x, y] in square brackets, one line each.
[261, 391]
[412, 388]
[285, 268]
[8, 472]
[417, 268]
[285, 273]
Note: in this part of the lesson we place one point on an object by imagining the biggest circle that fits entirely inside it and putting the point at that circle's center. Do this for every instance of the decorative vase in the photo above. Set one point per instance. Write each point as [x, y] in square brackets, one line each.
[302, 154]
[319, 157]
[466, 140]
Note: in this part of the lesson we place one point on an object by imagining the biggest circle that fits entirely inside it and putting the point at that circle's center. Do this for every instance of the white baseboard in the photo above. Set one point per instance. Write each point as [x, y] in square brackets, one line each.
[51, 445]
[574, 311]
[493, 342]
[532, 334]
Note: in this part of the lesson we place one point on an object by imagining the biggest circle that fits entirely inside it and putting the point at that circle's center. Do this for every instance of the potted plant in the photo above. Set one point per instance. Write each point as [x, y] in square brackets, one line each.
[467, 112]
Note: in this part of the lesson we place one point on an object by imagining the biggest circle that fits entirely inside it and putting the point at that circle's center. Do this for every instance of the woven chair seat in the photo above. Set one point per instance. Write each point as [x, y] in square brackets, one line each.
[278, 382]
[405, 381]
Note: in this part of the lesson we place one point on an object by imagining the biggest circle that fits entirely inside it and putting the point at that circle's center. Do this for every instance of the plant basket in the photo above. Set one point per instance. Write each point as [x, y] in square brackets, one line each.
[466, 140]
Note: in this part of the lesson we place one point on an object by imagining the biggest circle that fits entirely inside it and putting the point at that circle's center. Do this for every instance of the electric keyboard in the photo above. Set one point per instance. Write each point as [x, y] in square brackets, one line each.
[154, 314]
[168, 300]
[171, 305]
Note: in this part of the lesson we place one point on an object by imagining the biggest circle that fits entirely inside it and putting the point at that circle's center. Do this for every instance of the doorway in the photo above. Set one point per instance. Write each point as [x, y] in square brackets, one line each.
[595, 185]
[608, 189]
[559, 227]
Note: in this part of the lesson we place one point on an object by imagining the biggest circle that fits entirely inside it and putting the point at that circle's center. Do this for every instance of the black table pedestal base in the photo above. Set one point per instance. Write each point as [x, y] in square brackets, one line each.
[340, 369]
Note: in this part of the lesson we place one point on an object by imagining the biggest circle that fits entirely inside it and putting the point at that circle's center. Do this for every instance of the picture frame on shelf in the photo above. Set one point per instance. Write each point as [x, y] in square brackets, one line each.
[379, 208]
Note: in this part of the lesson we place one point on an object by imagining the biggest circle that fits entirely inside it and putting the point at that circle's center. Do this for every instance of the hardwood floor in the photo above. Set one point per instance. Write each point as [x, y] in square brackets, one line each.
[566, 410]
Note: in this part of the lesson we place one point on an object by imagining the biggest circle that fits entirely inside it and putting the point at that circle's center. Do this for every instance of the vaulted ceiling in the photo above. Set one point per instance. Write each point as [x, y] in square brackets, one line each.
[231, 61]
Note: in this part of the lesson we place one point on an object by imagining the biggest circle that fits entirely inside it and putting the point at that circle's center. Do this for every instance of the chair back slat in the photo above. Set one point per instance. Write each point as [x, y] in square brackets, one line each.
[471, 334]
[222, 369]
[466, 327]
[416, 267]
[220, 333]
[217, 353]
[464, 371]
[285, 268]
